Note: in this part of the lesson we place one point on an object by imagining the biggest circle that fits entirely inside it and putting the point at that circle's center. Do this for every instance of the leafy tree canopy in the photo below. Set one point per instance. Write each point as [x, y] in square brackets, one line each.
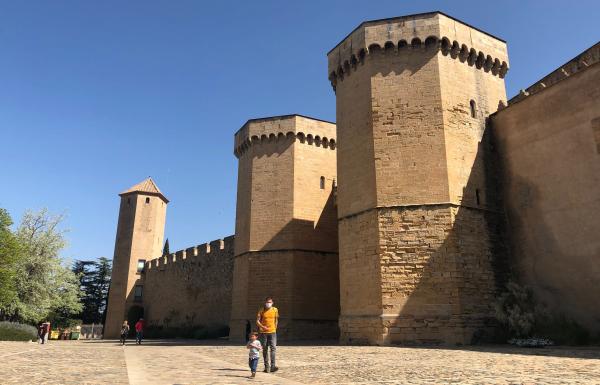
[43, 285]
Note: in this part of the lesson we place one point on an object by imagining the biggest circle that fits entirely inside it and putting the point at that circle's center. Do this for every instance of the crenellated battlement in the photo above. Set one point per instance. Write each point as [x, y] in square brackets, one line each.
[417, 33]
[290, 128]
[580, 62]
[221, 246]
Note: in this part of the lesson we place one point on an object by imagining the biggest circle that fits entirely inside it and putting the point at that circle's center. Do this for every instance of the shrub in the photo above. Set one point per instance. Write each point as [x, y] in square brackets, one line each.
[516, 310]
[13, 331]
[525, 319]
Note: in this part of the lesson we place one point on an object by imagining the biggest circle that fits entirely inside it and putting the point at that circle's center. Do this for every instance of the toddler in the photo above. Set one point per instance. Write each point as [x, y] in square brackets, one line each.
[255, 347]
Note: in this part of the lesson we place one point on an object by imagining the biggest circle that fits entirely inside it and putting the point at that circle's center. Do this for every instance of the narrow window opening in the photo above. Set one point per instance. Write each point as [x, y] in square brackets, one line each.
[473, 108]
[322, 183]
[147, 200]
[477, 196]
[140, 265]
[137, 294]
[128, 201]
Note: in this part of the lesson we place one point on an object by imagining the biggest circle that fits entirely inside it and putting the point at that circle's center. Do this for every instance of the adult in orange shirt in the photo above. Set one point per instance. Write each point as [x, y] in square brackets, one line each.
[266, 320]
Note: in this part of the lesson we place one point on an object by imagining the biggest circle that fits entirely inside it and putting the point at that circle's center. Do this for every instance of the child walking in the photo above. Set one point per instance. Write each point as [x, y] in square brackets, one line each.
[255, 347]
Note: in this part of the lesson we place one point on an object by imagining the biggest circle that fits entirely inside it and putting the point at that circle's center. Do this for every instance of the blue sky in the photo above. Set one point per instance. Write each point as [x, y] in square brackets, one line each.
[97, 95]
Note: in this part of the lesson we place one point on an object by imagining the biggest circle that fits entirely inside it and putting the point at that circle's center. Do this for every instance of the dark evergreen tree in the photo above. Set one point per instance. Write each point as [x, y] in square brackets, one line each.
[166, 248]
[94, 277]
[101, 280]
[83, 270]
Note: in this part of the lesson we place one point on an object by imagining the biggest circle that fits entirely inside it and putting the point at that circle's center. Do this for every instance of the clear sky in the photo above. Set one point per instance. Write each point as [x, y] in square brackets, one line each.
[97, 95]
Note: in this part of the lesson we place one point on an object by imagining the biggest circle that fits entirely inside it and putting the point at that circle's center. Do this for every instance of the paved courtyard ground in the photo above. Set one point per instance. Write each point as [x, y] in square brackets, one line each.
[218, 362]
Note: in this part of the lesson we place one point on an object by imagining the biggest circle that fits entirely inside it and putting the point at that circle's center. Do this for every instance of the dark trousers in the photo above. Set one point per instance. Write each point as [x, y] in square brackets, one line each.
[138, 337]
[269, 342]
[123, 338]
[43, 336]
[253, 362]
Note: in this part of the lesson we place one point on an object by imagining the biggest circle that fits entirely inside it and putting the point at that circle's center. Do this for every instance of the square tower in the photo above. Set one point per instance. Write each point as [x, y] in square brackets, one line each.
[418, 222]
[140, 232]
[286, 226]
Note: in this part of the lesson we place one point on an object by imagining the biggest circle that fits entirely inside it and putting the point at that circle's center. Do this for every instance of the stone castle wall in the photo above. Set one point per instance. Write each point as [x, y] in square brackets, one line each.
[412, 186]
[190, 288]
[549, 142]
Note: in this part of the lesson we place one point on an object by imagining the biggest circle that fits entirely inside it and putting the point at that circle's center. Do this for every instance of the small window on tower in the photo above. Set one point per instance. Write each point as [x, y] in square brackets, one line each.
[147, 200]
[137, 294]
[140, 265]
[322, 183]
[477, 197]
[128, 201]
[473, 108]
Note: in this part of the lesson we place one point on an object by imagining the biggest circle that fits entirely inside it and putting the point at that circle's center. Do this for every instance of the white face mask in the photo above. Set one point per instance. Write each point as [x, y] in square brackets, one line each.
[268, 305]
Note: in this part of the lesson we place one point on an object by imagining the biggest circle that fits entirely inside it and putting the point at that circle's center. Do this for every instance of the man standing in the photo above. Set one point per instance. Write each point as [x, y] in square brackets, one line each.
[139, 331]
[266, 320]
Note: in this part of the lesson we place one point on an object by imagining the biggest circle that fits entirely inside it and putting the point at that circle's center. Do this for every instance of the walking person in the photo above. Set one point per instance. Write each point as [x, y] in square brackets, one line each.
[253, 355]
[124, 332]
[40, 332]
[44, 330]
[139, 331]
[266, 320]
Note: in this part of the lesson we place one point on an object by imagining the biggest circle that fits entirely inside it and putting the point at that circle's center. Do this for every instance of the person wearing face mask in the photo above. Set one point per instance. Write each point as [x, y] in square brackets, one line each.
[266, 320]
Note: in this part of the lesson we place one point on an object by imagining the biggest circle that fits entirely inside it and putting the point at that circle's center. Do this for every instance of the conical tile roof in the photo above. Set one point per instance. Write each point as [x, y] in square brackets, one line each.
[146, 186]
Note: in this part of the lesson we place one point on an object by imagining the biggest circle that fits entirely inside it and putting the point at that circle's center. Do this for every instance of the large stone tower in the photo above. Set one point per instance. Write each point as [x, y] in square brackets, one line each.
[418, 235]
[140, 232]
[286, 227]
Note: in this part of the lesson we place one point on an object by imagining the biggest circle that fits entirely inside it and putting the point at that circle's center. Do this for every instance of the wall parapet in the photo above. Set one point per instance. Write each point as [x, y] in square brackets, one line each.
[192, 253]
[316, 140]
[580, 62]
[410, 33]
[461, 52]
[289, 128]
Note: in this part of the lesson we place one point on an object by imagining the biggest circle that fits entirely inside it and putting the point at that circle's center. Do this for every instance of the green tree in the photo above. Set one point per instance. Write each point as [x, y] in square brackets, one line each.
[166, 248]
[9, 254]
[83, 270]
[101, 279]
[44, 285]
[94, 279]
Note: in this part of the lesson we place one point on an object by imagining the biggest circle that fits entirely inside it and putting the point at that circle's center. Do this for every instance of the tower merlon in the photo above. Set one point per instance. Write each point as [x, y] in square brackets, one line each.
[314, 131]
[433, 30]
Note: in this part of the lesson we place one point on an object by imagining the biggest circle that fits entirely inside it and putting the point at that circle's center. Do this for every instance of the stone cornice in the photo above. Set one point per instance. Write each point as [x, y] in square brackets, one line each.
[316, 140]
[454, 49]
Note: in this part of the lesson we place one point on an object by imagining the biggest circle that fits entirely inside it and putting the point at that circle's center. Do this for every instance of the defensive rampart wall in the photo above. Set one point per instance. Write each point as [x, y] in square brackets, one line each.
[191, 287]
[549, 143]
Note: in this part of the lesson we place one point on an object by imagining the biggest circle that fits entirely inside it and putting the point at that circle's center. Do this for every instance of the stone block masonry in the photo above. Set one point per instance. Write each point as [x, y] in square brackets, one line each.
[548, 140]
[286, 227]
[191, 287]
[417, 219]
[140, 229]
[390, 227]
